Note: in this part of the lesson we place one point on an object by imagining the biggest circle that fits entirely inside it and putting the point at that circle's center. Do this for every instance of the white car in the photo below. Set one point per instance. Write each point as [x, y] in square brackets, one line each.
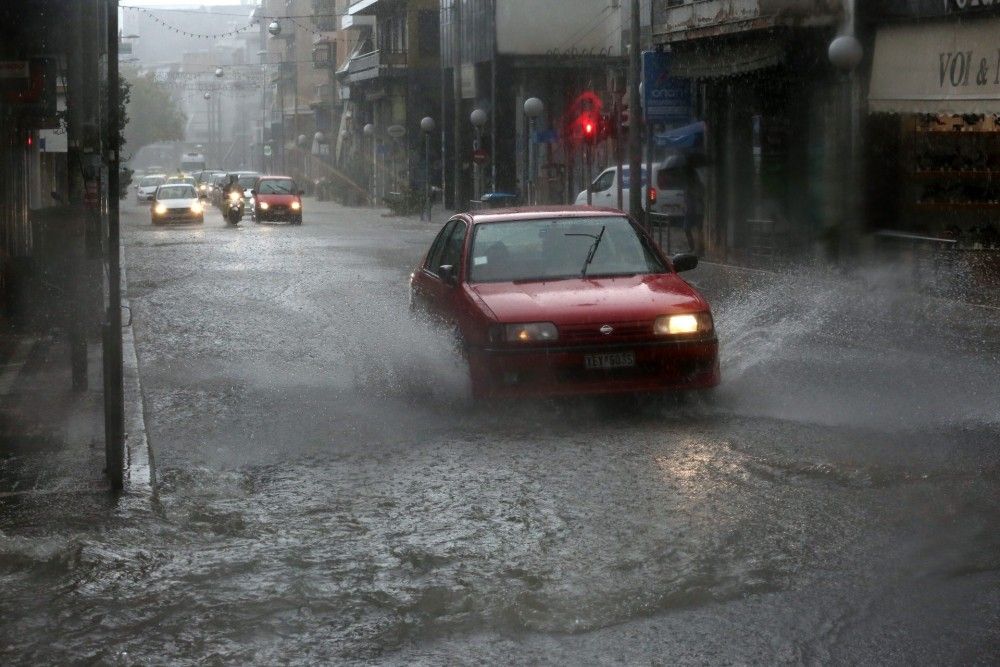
[147, 185]
[177, 202]
[668, 177]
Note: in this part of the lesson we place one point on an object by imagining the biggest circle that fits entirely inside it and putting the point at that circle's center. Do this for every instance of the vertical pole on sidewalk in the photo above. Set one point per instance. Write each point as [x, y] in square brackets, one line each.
[114, 393]
[456, 63]
[635, 136]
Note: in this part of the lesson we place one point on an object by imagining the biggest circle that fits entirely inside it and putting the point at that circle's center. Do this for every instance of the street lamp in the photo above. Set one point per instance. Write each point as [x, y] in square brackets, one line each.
[427, 126]
[478, 119]
[369, 131]
[218, 72]
[845, 53]
[208, 125]
[274, 28]
[533, 108]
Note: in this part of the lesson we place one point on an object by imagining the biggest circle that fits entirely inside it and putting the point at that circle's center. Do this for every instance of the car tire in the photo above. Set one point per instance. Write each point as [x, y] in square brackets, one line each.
[297, 221]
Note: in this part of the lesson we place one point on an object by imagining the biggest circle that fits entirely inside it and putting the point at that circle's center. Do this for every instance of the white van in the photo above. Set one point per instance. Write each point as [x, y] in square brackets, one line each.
[669, 184]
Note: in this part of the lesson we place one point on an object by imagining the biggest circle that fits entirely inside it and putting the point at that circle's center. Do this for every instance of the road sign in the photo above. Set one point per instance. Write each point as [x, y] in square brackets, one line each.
[480, 156]
[396, 131]
[667, 99]
[267, 150]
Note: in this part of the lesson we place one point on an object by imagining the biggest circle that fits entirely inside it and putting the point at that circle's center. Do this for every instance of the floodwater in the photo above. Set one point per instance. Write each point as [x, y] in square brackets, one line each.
[327, 493]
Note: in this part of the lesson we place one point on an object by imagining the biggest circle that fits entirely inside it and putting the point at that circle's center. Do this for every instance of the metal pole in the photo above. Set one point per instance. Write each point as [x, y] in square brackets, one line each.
[618, 146]
[427, 176]
[589, 155]
[532, 168]
[456, 63]
[114, 396]
[493, 108]
[634, 139]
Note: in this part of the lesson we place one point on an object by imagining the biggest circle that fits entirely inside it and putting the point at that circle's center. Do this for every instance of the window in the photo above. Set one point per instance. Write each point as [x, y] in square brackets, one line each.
[604, 181]
[437, 248]
[175, 192]
[428, 33]
[452, 254]
[276, 186]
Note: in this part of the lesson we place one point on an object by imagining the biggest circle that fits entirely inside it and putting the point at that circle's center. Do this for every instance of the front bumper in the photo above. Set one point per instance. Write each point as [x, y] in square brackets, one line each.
[278, 213]
[560, 371]
[186, 215]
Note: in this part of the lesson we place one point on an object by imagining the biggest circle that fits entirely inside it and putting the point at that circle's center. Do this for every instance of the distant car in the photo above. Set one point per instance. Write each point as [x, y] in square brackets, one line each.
[146, 188]
[566, 300]
[183, 178]
[667, 195]
[177, 202]
[277, 198]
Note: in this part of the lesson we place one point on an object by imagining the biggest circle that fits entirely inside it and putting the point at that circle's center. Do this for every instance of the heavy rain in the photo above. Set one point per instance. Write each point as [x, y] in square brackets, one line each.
[262, 400]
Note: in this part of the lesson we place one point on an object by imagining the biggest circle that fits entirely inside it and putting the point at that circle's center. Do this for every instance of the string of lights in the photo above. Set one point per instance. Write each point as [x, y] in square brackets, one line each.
[251, 25]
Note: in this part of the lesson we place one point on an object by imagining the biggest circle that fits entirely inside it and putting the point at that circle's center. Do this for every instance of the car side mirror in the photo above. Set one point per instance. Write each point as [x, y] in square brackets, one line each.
[447, 274]
[684, 261]
[253, 192]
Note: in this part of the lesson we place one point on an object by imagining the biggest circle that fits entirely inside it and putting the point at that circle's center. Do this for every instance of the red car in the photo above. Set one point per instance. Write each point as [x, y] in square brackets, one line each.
[566, 300]
[277, 198]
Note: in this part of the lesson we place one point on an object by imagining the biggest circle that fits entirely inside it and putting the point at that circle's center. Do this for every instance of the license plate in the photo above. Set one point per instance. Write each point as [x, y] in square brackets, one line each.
[596, 362]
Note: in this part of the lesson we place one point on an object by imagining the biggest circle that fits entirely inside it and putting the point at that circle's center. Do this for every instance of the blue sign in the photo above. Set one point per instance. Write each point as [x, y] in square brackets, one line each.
[667, 99]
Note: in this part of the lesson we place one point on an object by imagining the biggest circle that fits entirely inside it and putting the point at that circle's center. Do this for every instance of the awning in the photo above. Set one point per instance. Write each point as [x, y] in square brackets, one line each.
[946, 68]
[709, 61]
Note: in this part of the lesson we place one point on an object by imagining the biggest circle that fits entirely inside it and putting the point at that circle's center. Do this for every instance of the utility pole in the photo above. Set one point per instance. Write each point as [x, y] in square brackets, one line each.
[456, 64]
[635, 117]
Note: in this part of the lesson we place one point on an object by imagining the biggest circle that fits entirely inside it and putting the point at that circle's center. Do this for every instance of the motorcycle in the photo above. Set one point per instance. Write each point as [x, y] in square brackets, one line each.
[234, 208]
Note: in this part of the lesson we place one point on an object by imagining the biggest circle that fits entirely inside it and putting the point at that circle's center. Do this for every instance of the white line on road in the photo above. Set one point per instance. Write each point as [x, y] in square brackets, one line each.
[14, 366]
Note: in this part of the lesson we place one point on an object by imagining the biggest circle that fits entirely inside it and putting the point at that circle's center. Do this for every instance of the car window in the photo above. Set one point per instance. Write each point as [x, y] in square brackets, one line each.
[452, 254]
[247, 180]
[150, 181]
[550, 249]
[437, 248]
[604, 181]
[276, 186]
[626, 178]
[175, 192]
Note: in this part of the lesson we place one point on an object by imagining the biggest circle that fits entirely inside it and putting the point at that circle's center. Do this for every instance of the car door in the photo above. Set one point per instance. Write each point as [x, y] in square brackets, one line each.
[422, 290]
[604, 192]
[445, 297]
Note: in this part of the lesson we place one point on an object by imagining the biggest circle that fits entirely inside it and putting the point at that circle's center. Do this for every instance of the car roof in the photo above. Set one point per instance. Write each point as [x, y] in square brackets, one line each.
[276, 177]
[540, 213]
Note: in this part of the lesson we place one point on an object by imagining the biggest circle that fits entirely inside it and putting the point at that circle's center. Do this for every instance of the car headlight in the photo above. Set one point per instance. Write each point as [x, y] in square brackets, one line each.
[687, 323]
[530, 332]
[160, 209]
[263, 206]
[296, 206]
[197, 208]
[203, 187]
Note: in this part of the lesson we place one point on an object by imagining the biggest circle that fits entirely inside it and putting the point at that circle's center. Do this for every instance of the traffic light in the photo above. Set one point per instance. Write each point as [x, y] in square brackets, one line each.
[589, 130]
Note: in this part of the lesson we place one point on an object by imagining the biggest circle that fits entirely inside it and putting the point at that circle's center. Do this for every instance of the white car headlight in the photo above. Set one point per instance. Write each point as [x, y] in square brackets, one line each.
[687, 323]
[264, 206]
[197, 208]
[160, 209]
[530, 332]
[296, 206]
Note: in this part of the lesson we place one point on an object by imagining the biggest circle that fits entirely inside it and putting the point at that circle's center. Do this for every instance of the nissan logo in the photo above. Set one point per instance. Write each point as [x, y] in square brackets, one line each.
[607, 329]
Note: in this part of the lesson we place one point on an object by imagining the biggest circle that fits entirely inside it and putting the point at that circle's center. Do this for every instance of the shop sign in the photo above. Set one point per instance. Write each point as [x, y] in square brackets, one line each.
[667, 99]
[937, 68]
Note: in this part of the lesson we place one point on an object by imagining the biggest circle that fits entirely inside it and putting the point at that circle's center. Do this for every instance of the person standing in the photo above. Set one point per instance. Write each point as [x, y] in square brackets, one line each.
[694, 196]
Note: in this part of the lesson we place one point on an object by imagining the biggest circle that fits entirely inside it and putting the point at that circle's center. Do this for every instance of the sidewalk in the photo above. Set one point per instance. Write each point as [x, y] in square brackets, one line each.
[51, 437]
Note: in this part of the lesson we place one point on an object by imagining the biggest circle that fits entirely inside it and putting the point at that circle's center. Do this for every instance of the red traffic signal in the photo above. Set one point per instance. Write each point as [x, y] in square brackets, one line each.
[589, 131]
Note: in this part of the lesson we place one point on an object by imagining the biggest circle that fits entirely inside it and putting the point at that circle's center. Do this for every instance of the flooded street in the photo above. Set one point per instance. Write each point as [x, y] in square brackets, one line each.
[326, 492]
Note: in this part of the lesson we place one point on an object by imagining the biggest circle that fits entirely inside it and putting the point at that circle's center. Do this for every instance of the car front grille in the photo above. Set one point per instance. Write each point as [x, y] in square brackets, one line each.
[622, 332]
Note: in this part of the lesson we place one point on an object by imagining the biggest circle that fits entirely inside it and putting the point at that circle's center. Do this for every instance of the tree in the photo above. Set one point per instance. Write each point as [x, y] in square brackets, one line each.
[151, 112]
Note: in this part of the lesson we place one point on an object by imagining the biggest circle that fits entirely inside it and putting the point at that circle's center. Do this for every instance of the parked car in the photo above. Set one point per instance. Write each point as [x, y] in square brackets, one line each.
[146, 188]
[566, 300]
[668, 191]
[177, 202]
[277, 198]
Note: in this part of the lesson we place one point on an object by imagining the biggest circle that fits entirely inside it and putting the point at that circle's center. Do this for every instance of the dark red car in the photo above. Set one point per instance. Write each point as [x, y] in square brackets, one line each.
[567, 300]
[277, 198]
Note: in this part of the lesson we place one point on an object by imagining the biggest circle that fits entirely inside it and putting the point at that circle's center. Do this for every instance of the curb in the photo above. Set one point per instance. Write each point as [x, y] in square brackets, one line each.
[140, 473]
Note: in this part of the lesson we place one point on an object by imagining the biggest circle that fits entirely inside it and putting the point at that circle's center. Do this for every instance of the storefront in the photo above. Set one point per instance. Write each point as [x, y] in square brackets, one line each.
[934, 149]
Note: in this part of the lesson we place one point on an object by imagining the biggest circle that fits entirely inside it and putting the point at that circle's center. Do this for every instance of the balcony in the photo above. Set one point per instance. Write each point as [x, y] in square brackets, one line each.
[374, 64]
[679, 20]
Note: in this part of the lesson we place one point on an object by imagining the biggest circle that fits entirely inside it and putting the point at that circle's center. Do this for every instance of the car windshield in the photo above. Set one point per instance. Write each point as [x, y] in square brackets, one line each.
[247, 180]
[175, 192]
[276, 186]
[150, 181]
[549, 249]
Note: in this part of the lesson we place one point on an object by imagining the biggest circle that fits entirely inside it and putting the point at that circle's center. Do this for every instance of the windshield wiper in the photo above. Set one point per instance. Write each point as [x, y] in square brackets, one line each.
[593, 248]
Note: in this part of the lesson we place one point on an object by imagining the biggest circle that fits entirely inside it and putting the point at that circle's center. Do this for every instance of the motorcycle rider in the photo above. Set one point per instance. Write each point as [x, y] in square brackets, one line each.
[233, 186]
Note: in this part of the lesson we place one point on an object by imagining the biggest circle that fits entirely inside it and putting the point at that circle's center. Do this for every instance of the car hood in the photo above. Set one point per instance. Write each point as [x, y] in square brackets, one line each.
[177, 203]
[583, 300]
[277, 199]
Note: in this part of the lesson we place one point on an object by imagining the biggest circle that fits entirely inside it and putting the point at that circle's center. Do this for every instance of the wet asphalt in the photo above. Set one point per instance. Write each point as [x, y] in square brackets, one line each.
[327, 492]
